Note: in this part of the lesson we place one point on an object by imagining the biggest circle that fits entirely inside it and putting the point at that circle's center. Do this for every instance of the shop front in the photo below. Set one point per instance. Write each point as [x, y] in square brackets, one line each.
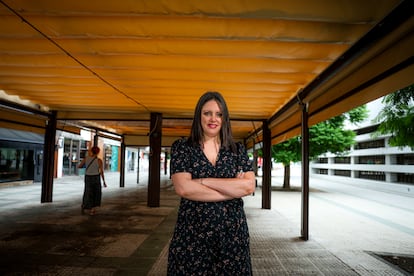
[21, 156]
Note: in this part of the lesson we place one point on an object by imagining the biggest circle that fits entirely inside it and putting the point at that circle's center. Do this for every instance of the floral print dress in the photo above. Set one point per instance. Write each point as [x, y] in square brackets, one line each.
[210, 238]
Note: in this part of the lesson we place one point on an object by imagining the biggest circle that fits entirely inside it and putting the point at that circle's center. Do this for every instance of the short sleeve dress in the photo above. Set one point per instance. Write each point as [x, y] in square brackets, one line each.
[210, 238]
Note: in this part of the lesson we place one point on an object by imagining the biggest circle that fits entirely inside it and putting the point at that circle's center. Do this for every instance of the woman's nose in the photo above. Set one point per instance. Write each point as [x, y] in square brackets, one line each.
[213, 117]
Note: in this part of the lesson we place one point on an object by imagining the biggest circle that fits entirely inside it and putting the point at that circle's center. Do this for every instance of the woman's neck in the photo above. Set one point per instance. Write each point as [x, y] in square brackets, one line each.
[211, 148]
[211, 139]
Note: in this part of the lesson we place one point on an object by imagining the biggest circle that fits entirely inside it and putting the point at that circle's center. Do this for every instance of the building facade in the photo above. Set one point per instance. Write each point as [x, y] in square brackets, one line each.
[369, 159]
[21, 156]
[72, 148]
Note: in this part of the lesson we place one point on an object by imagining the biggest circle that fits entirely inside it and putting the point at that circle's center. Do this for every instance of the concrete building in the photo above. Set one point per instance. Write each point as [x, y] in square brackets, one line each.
[371, 160]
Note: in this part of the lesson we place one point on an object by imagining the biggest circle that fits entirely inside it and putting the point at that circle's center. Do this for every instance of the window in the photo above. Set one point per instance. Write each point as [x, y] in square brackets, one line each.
[371, 144]
[16, 164]
[322, 160]
[405, 159]
[405, 178]
[380, 176]
[371, 160]
[342, 160]
[322, 171]
[342, 173]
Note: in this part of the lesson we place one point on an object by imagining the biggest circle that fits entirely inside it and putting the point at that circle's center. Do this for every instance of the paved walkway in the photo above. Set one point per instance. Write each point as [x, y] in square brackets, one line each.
[126, 237]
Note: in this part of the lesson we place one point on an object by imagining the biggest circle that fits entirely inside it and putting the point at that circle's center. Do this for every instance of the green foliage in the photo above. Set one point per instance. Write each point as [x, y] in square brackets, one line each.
[397, 117]
[287, 151]
[357, 115]
[327, 136]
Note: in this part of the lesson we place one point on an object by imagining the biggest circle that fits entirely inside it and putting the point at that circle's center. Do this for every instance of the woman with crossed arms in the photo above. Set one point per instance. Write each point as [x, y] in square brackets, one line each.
[211, 173]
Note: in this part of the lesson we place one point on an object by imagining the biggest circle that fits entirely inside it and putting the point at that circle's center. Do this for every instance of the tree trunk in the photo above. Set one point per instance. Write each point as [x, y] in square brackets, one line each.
[286, 178]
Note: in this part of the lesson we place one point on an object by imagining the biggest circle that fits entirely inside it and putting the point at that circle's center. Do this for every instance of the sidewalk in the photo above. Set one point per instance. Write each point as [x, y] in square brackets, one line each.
[128, 238]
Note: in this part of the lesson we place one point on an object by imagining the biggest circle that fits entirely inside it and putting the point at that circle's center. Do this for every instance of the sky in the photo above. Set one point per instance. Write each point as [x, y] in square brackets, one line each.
[374, 108]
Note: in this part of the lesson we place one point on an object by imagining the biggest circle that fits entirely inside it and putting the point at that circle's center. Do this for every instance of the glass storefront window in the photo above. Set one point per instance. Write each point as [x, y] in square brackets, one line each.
[16, 164]
[71, 157]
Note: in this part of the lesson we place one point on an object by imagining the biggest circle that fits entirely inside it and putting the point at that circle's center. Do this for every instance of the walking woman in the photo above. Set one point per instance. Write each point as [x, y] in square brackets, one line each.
[211, 173]
[92, 194]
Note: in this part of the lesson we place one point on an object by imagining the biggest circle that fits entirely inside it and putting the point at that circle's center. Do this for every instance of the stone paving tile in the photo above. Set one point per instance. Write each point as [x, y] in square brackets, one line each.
[128, 238]
[271, 232]
[55, 239]
[365, 264]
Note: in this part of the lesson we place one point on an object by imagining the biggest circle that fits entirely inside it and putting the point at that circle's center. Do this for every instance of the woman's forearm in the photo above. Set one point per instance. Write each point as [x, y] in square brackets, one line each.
[192, 189]
[81, 164]
[200, 192]
[233, 187]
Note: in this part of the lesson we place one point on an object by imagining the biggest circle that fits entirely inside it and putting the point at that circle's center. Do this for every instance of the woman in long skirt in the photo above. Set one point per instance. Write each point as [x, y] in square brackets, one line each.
[92, 194]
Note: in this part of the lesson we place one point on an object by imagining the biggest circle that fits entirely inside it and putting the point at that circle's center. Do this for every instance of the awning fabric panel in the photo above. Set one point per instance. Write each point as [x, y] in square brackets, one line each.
[109, 64]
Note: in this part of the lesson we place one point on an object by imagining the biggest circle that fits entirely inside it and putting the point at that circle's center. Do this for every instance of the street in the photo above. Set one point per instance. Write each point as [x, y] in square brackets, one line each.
[347, 219]
[350, 222]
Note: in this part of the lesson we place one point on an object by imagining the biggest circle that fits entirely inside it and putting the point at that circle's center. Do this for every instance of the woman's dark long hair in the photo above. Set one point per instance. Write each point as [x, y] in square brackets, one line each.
[226, 135]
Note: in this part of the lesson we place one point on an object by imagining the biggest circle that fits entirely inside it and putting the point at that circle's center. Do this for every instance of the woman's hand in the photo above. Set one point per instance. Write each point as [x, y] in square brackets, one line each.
[240, 174]
[194, 189]
[242, 185]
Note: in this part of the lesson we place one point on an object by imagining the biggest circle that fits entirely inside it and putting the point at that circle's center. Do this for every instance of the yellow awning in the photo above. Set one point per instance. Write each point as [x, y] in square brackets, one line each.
[109, 64]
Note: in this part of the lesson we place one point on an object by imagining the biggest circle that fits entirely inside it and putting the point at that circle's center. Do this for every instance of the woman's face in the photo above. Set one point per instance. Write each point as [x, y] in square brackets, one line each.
[211, 118]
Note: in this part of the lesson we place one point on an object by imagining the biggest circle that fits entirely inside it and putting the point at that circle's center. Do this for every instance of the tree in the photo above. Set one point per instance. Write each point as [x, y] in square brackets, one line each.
[285, 153]
[397, 118]
[327, 136]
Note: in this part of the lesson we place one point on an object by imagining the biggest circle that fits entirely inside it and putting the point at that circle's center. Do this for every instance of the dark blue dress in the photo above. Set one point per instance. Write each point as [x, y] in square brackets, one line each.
[210, 238]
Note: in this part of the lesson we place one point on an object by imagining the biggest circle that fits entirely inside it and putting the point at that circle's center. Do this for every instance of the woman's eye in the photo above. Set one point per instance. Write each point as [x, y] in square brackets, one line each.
[210, 114]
